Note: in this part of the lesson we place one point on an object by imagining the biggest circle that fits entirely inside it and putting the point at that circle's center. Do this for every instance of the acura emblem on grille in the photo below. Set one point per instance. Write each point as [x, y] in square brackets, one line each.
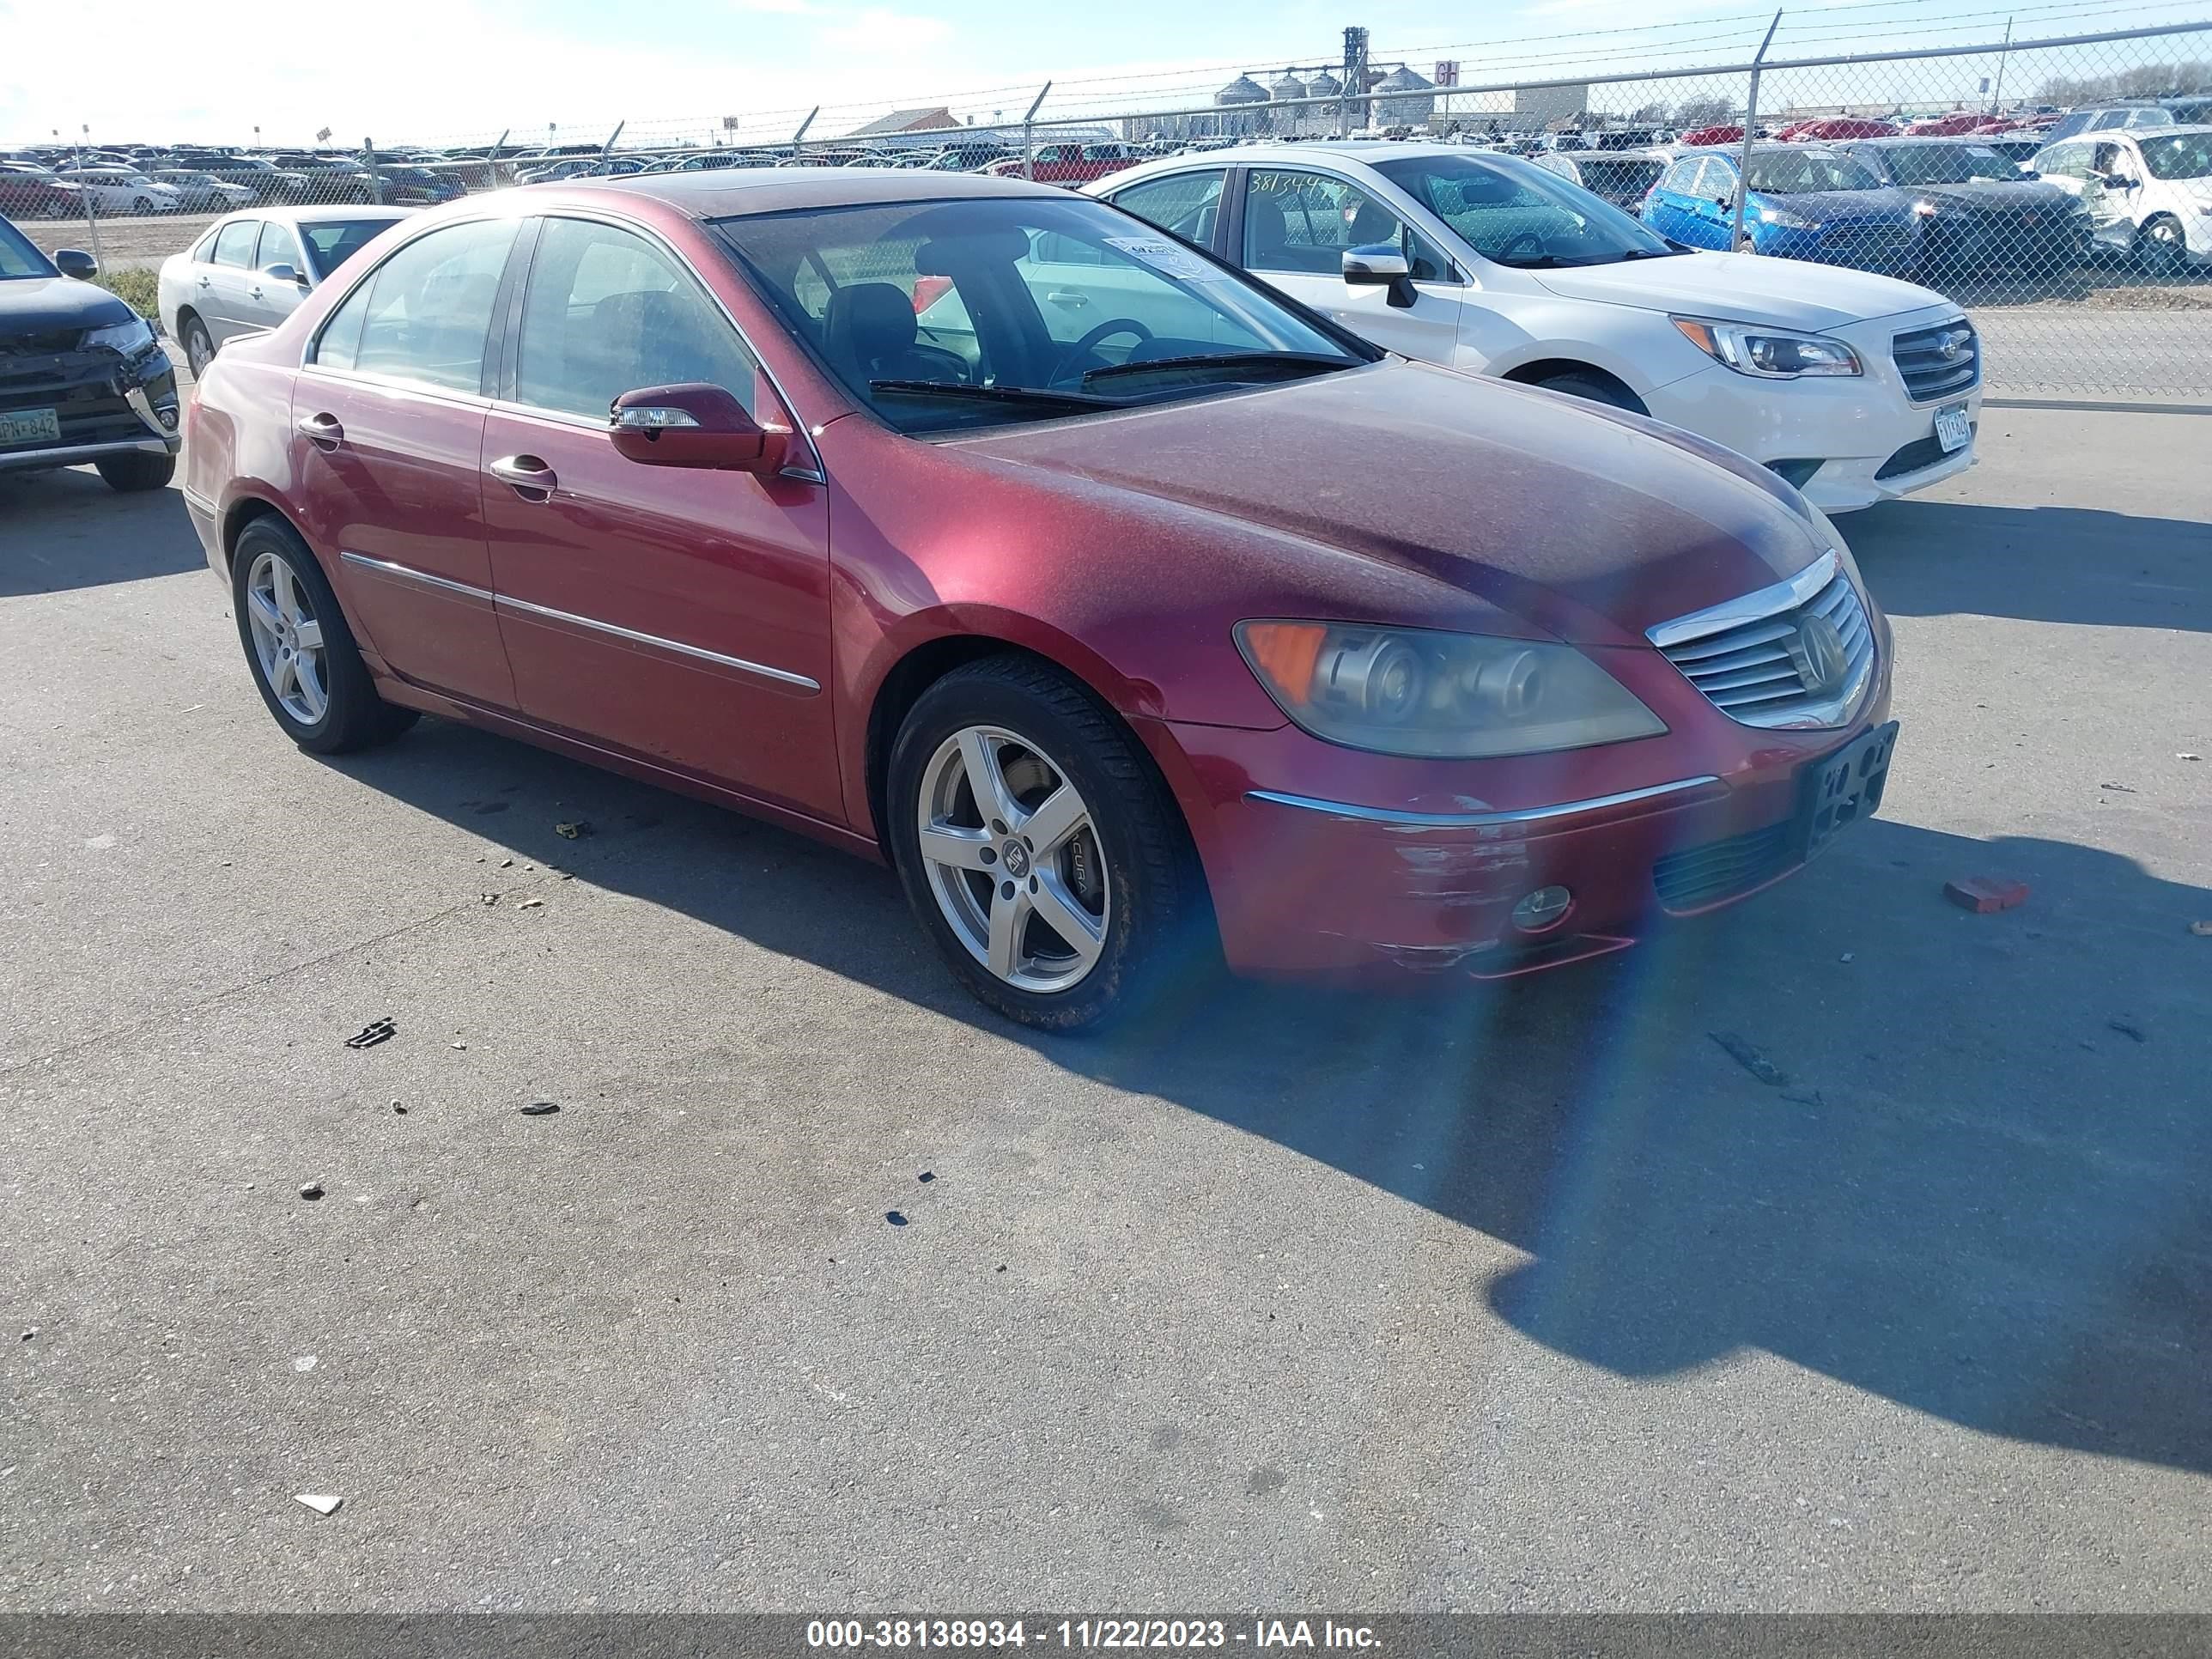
[1817, 653]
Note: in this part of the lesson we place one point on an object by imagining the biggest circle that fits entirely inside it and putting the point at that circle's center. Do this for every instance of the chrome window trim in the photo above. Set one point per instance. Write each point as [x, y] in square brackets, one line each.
[1476, 820]
[500, 601]
[1755, 606]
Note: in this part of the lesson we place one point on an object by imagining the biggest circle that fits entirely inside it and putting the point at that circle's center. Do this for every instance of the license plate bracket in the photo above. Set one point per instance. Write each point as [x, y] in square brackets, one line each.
[1837, 790]
[30, 426]
[1953, 429]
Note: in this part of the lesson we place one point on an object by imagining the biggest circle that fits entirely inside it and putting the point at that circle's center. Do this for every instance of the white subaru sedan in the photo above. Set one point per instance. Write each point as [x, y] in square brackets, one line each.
[1856, 388]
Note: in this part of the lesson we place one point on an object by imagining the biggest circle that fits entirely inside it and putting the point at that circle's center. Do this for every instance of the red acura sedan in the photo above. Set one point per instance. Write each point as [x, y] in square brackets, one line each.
[1135, 615]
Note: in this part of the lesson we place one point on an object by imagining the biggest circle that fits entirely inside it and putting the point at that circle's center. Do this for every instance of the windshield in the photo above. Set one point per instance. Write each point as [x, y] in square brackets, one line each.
[2184, 155]
[331, 242]
[1947, 164]
[18, 258]
[980, 311]
[1515, 213]
[1793, 172]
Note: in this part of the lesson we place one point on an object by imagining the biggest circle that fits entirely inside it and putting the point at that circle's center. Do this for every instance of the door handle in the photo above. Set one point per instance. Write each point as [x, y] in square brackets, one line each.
[1064, 297]
[207, 282]
[255, 292]
[530, 476]
[320, 429]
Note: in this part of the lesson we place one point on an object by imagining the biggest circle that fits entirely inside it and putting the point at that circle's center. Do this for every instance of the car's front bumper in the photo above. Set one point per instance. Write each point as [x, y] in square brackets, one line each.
[1872, 441]
[1314, 871]
[107, 404]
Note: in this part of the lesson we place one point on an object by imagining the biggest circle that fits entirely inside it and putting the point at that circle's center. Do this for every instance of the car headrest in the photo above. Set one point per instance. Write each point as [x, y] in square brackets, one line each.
[867, 322]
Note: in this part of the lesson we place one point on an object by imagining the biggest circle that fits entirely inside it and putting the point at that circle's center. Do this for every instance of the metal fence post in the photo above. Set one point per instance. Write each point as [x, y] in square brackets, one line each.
[607, 149]
[91, 214]
[799, 138]
[1029, 132]
[375, 179]
[1750, 128]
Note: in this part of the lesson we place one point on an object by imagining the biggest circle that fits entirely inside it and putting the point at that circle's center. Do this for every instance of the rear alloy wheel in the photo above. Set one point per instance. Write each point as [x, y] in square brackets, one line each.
[1040, 848]
[2163, 250]
[199, 348]
[304, 660]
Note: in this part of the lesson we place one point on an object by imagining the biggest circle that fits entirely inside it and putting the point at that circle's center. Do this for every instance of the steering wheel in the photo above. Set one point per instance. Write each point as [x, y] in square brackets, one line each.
[1105, 330]
[1515, 241]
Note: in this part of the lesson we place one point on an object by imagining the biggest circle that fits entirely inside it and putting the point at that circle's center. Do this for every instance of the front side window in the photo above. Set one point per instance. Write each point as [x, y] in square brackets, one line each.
[330, 243]
[1187, 203]
[278, 247]
[980, 311]
[234, 243]
[1516, 215]
[607, 312]
[2183, 155]
[2064, 161]
[1799, 172]
[425, 314]
[18, 258]
[1303, 221]
[1682, 178]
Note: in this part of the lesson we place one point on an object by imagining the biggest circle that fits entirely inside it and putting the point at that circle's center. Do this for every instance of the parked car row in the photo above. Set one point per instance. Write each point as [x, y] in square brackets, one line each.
[1140, 615]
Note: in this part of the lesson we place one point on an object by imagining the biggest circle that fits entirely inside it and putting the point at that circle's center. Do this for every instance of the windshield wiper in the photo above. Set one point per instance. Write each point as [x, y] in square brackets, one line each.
[1007, 394]
[1668, 252]
[1302, 363]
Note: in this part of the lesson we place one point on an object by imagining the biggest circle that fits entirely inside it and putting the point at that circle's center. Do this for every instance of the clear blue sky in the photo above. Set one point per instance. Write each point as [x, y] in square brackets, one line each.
[453, 70]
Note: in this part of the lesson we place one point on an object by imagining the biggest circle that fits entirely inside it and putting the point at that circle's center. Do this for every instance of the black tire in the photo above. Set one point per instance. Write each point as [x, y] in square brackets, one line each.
[2162, 247]
[1159, 929]
[136, 471]
[198, 344]
[1593, 388]
[352, 716]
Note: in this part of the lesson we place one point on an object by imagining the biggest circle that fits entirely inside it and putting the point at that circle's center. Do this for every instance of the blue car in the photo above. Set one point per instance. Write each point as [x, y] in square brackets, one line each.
[1806, 202]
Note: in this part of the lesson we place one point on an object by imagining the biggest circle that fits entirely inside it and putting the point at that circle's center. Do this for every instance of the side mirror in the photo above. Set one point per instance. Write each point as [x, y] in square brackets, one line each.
[2119, 181]
[75, 262]
[695, 425]
[2029, 173]
[283, 273]
[1381, 265]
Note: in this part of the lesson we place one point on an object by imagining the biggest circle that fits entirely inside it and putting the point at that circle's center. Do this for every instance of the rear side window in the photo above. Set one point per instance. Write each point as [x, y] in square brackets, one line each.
[425, 314]
[607, 312]
[234, 243]
[1187, 204]
[1681, 178]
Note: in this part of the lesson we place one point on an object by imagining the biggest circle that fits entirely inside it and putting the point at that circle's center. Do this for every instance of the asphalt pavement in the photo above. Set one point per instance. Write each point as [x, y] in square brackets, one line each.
[825, 1291]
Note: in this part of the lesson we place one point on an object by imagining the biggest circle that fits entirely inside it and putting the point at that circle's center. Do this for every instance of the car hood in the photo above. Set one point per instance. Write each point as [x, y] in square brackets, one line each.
[1586, 523]
[1991, 196]
[1840, 206]
[50, 302]
[1749, 288]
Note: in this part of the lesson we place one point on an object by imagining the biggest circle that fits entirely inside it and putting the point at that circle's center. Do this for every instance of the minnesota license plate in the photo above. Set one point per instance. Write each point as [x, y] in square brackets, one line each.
[30, 426]
[1953, 429]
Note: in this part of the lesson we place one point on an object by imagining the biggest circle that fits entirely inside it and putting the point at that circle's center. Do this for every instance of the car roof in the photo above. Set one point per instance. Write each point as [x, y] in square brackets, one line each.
[734, 193]
[317, 215]
[1897, 141]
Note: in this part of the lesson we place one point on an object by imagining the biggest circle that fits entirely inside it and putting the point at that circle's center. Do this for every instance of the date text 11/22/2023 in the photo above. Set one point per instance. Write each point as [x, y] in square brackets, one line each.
[1105, 1632]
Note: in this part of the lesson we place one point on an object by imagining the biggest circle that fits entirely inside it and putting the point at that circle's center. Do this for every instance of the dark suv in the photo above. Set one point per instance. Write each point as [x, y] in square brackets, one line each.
[82, 376]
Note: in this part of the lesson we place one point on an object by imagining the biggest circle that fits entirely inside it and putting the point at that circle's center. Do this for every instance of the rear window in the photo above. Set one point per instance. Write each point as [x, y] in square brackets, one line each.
[330, 243]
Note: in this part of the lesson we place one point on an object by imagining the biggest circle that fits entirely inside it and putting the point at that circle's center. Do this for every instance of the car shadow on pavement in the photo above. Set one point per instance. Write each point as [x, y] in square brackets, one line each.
[65, 529]
[1982, 1189]
[2065, 564]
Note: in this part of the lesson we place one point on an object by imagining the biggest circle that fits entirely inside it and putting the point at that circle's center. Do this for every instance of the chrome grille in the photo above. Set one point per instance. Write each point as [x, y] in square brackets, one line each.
[1939, 362]
[1758, 663]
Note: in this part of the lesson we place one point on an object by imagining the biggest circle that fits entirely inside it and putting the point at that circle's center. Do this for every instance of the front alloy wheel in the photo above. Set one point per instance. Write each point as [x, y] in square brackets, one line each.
[1014, 860]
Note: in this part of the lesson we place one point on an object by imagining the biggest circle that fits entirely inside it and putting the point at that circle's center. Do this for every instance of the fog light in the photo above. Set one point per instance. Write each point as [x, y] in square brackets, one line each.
[166, 415]
[1541, 909]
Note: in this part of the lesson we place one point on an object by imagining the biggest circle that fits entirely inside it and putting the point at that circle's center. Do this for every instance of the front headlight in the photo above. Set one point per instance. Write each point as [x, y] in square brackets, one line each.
[129, 338]
[1924, 209]
[1415, 691]
[1769, 353]
[1787, 220]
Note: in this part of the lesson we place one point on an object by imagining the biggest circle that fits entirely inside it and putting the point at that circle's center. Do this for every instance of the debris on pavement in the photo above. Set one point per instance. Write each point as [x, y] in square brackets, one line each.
[460, 1045]
[506, 863]
[531, 904]
[1751, 1059]
[321, 1503]
[376, 1031]
[1803, 1096]
[2185, 755]
[541, 1109]
[305, 1362]
[2201, 929]
[925, 1177]
[399, 1107]
[2118, 788]
[895, 1217]
[311, 1190]
[1986, 894]
[575, 831]
[30, 1331]
[1847, 956]
[491, 898]
[2126, 1030]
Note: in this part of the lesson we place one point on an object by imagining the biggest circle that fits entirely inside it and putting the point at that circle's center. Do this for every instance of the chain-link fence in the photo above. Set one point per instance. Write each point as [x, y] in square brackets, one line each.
[2058, 188]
